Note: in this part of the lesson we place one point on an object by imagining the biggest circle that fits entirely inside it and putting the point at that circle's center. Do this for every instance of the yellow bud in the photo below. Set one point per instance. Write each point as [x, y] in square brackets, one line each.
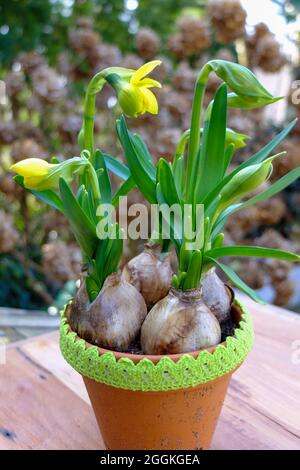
[34, 171]
[40, 175]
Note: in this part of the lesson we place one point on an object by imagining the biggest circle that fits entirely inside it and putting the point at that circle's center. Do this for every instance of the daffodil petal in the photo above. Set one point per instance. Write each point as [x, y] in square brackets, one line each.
[35, 182]
[148, 83]
[31, 167]
[144, 70]
[150, 101]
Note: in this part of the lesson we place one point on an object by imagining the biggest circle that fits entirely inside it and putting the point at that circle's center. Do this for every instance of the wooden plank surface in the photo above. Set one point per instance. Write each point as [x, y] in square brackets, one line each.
[44, 404]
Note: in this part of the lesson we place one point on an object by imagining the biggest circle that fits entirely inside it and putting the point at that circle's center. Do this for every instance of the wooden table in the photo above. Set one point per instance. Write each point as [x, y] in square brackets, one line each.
[44, 405]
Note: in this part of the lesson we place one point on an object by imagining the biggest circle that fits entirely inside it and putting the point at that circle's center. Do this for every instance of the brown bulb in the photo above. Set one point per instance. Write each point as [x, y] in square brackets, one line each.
[76, 311]
[113, 319]
[150, 275]
[116, 315]
[216, 295]
[179, 323]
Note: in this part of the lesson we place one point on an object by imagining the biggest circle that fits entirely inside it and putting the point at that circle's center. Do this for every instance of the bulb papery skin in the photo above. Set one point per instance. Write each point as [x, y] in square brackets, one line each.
[117, 314]
[179, 323]
[113, 319]
[216, 295]
[149, 275]
[77, 310]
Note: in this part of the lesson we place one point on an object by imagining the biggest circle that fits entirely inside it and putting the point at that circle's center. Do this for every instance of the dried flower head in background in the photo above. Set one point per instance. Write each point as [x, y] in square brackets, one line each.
[228, 18]
[192, 38]
[264, 50]
[147, 43]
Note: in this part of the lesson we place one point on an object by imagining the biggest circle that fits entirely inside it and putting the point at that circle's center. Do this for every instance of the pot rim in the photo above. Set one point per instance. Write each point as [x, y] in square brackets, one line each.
[164, 372]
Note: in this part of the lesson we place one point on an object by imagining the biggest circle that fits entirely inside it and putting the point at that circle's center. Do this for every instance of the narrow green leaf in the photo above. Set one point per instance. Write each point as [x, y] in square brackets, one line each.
[218, 241]
[116, 167]
[112, 259]
[123, 190]
[87, 206]
[166, 180]
[237, 281]
[140, 150]
[192, 279]
[47, 196]
[175, 233]
[84, 231]
[179, 176]
[257, 251]
[142, 147]
[143, 179]
[175, 281]
[229, 152]
[92, 288]
[103, 177]
[211, 168]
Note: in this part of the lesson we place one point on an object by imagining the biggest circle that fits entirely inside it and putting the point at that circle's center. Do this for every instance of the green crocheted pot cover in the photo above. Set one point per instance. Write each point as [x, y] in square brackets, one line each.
[166, 374]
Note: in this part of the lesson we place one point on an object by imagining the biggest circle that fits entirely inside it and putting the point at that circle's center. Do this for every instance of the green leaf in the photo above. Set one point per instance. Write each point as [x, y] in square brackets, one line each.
[112, 258]
[139, 167]
[123, 190]
[87, 206]
[229, 152]
[47, 196]
[84, 231]
[175, 233]
[116, 167]
[92, 288]
[211, 161]
[257, 251]
[166, 180]
[142, 147]
[103, 178]
[238, 281]
[192, 279]
[260, 156]
[179, 175]
[218, 241]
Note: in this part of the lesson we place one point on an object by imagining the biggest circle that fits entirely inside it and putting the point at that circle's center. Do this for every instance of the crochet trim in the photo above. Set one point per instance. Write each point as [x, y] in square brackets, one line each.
[166, 374]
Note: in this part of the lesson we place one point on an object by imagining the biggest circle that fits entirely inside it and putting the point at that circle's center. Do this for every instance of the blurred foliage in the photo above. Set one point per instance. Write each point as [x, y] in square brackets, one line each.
[30, 28]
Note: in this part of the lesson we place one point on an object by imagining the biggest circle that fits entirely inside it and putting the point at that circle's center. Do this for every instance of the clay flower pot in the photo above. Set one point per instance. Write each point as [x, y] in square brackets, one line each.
[158, 402]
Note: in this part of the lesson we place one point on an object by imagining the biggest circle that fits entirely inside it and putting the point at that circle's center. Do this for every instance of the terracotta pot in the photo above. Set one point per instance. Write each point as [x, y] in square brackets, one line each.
[181, 419]
[176, 419]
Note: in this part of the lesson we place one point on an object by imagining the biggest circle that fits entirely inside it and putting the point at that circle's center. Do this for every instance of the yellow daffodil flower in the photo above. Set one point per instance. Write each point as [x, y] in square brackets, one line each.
[40, 175]
[135, 96]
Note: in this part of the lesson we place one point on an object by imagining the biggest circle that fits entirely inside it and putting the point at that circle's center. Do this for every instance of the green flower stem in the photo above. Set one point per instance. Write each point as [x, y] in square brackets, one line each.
[195, 130]
[94, 87]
